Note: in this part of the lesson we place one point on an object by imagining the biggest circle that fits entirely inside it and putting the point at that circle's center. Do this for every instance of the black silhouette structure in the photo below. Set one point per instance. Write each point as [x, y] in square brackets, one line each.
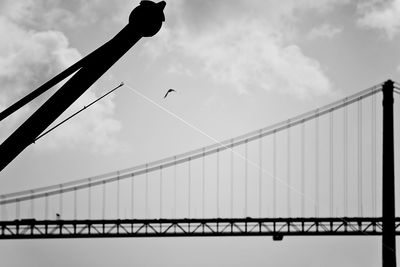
[144, 21]
[277, 228]
[168, 92]
[388, 179]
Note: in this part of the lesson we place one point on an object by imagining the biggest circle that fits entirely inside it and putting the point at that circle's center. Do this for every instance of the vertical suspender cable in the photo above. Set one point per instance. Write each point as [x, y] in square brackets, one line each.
[345, 164]
[60, 200]
[46, 206]
[218, 184]
[302, 155]
[3, 210]
[32, 205]
[17, 209]
[104, 199]
[359, 158]
[118, 191]
[245, 179]
[175, 187]
[132, 196]
[260, 168]
[75, 203]
[331, 163]
[274, 175]
[288, 165]
[146, 201]
[373, 154]
[232, 177]
[189, 186]
[203, 183]
[161, 192]
[90, 199]
[317, 165]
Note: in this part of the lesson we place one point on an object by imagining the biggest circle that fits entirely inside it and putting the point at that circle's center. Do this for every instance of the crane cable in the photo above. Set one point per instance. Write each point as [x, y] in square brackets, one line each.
[76, 113]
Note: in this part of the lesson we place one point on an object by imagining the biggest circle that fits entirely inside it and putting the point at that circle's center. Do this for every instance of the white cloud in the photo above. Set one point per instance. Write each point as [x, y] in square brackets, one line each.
[324, 31]
[94, 128]
[246, 44]
[246, 57]
[28, 58]
[44, 14]
[381, 15]
[179, 68]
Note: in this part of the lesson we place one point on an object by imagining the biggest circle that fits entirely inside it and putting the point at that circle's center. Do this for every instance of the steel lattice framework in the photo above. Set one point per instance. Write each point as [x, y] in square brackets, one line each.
[277, 228]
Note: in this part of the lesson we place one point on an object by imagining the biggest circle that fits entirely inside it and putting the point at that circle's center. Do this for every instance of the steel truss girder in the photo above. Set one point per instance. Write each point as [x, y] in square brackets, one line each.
[277, 228]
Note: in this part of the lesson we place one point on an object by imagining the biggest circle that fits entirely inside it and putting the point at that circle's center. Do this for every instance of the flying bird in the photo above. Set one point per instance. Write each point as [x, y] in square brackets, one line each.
[169, 91]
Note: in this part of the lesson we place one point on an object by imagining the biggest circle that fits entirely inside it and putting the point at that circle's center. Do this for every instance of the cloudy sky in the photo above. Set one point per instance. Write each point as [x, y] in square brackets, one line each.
[237, 66]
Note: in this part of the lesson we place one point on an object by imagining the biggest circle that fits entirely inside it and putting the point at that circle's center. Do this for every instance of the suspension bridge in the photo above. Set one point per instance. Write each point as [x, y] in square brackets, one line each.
[328, 172]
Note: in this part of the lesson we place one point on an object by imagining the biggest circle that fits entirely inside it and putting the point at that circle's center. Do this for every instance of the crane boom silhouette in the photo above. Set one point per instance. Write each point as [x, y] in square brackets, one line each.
[144, 21]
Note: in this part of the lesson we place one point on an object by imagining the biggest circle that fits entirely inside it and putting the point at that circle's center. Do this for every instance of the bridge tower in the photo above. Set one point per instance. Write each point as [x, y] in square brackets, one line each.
[388, 181]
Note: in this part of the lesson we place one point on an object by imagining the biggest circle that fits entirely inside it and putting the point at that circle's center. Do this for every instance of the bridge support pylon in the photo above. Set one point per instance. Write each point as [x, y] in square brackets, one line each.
[388, 180]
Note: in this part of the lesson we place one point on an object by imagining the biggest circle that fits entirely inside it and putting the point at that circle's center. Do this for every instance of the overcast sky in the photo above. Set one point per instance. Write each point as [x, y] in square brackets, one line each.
[237, 66]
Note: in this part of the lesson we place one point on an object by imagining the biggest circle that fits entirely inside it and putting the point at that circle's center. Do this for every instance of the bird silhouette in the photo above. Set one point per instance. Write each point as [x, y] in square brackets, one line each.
[169, 91]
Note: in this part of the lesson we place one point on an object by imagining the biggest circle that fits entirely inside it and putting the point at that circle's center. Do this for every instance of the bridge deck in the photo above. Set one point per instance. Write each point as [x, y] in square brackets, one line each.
[277, 227]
